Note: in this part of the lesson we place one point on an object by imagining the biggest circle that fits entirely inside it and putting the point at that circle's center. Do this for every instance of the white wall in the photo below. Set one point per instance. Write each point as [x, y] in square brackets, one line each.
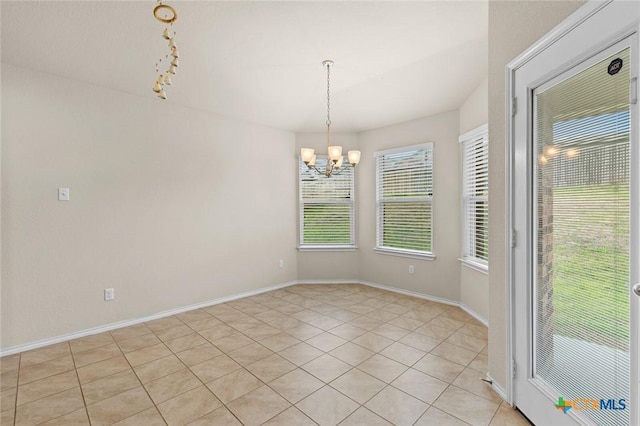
[164, 206]
[510, 33]
[474, 285]
[321, 265]
[440, 277]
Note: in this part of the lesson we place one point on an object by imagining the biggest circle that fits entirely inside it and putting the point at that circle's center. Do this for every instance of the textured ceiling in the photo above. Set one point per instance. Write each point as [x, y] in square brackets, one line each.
[261, 61]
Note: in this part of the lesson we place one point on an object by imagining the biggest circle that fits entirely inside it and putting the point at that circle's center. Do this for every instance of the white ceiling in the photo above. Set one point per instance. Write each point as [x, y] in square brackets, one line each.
[261, 61]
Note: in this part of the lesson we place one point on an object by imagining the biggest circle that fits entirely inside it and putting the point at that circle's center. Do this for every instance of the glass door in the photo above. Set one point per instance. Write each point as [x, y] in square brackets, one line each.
[581, 248]
[575, 211]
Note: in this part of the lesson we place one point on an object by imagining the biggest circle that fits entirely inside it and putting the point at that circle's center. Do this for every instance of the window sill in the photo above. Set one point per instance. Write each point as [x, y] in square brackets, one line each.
[475, 266]
[327, 248]
[405, 253]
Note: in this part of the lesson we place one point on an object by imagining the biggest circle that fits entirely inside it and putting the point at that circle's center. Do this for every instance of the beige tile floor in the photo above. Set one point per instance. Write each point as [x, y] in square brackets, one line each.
[304, 355]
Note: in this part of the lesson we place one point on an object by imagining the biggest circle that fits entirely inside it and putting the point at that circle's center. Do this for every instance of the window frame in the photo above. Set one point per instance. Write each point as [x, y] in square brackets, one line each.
[302, 246]
[395, 251]
[468, 252]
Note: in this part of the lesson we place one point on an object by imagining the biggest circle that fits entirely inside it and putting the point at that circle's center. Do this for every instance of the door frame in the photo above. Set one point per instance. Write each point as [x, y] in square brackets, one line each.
[564, 29]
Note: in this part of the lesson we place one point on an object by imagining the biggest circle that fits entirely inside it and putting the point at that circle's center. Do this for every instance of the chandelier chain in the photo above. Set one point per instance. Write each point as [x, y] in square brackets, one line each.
[335, 158]
[328, 96]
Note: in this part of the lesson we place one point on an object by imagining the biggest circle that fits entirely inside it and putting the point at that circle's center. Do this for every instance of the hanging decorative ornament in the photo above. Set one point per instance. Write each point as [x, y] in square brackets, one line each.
[166, 15]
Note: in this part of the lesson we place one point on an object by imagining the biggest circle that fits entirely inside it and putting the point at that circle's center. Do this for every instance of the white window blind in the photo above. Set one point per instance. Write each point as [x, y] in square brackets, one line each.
[404, 197]
[582, 249]
[326, 207]
[475, 196]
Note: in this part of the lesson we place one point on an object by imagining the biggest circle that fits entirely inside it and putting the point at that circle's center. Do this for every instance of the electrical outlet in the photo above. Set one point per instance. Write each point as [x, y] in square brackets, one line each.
[411, 270]
[109, 294]
[63, 194]
[281, 263]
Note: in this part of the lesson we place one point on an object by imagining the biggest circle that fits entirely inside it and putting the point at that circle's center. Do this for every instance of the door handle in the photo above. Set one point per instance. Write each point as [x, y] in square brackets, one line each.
[636, 289]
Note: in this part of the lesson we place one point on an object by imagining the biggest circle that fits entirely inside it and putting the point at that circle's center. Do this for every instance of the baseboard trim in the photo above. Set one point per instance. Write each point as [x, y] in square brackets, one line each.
[126, 323]
[474, 314]
[423, 296]
[311, 282]
[461, 305]
[411, 293]
[498, 389]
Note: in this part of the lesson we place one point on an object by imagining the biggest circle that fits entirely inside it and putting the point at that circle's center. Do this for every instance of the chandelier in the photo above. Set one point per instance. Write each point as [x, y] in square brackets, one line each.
[169, 17]
[335, 160]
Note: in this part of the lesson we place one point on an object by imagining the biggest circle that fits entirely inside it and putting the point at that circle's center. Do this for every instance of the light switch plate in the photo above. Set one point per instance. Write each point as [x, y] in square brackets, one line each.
[63, 194]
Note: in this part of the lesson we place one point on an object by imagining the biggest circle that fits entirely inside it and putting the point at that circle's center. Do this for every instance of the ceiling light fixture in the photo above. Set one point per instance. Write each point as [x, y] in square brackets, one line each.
[169, 17]
[335, 160]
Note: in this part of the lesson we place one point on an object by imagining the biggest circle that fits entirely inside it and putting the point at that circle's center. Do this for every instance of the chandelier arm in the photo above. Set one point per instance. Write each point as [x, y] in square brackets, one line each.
[316, 170]
[333, 170]
[340, 170]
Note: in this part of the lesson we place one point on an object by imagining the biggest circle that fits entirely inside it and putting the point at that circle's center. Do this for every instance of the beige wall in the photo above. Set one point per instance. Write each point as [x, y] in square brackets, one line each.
[474, 112]
[474, 285]
[322, 265]
[145, 214]
[440, 277]
[164, 206]
[510, 33]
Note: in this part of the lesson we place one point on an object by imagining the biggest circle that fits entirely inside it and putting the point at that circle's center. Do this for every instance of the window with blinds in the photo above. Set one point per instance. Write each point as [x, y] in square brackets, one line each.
[404, 198]
[326, 207]
[475, 196]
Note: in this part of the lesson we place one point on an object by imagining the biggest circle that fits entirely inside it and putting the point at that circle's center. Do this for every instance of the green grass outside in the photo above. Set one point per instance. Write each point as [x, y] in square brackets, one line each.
[327, 224]
[591, 264]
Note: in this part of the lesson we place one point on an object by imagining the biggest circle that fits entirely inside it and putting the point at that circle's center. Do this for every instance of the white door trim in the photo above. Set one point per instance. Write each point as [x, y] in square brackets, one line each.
[564, 28]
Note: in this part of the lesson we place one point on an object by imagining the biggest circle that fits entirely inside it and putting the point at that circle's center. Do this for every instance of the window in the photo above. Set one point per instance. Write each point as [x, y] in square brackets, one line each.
[326, 208]
[475, 197]
[404, 197]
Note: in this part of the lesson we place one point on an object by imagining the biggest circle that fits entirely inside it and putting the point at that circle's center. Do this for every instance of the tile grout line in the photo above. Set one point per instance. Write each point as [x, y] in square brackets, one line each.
[198, 377]
[44, 378]
[225, 405]
[138, 378]
[75, 370]
[15, 402]
[297, 367]
[185, 367]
